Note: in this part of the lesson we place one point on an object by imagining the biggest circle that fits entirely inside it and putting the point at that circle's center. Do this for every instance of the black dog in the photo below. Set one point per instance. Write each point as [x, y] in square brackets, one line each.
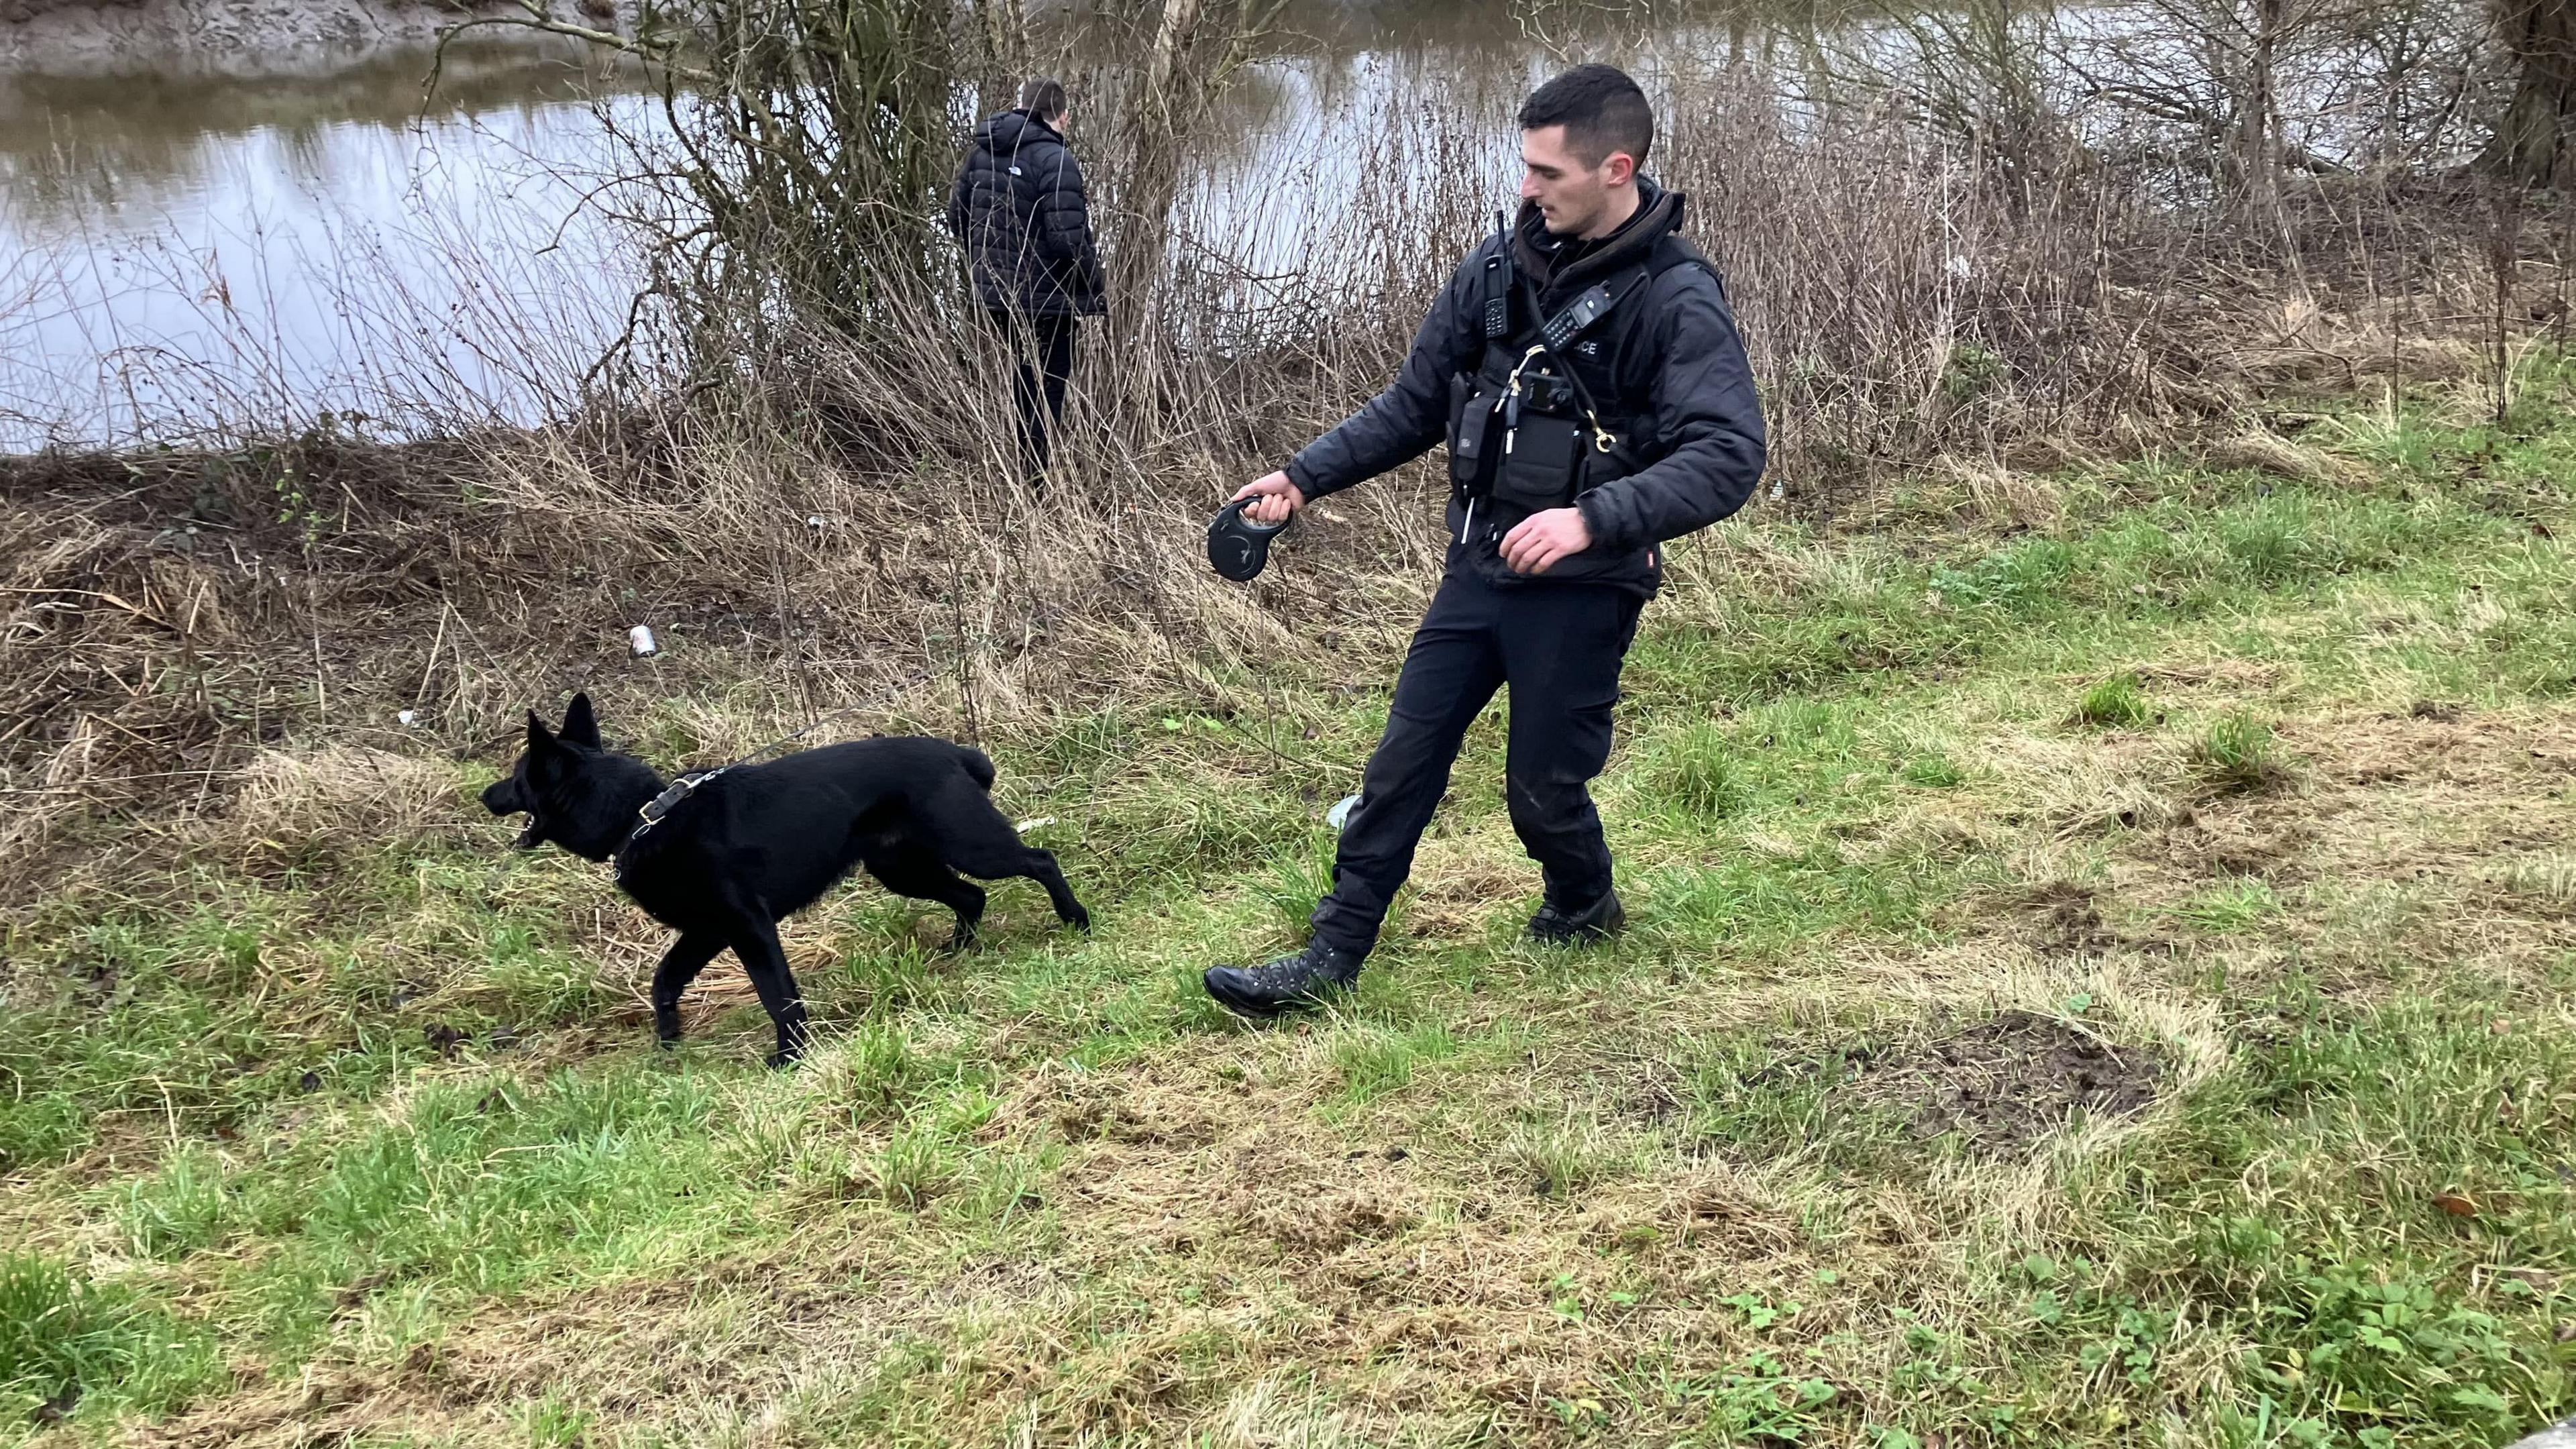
[754, 844]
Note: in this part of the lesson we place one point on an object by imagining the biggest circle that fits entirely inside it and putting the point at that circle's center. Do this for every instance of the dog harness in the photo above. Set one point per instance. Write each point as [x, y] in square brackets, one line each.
[659, 808]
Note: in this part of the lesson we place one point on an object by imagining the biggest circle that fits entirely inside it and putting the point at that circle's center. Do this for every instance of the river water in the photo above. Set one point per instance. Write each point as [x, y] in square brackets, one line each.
[178, 251]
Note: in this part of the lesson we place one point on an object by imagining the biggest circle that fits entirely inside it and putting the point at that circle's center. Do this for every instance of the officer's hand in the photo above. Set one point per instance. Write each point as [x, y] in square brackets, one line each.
[1543, 538]
[1279, 498]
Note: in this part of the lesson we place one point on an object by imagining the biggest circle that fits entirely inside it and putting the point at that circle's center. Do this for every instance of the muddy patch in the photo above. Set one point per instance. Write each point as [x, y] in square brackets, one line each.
[1332, 1222]
[1132, 1109]
[2006, 1082]
[2240, 837]
[2065, 919]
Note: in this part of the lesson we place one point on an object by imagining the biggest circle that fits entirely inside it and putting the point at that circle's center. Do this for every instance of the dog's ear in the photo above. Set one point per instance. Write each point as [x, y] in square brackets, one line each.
[581, 727]
[540, 739]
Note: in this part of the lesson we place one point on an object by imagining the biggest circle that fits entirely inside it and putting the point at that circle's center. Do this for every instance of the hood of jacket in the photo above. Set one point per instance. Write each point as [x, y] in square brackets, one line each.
[1011, 130]
[1552, 262]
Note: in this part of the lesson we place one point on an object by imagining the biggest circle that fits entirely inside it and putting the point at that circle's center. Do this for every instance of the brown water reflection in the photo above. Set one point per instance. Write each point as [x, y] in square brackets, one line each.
[72, 144]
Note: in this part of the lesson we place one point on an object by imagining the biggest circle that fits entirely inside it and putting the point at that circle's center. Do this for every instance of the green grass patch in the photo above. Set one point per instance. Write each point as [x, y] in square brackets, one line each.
[68, 1345]
[1695, 771]
[2118, 702]
[2237, 752]
[1917, 1104]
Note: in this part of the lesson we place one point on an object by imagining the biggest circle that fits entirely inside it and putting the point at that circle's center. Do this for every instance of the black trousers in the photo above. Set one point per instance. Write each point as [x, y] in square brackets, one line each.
[1042, 349]
[1560, 648]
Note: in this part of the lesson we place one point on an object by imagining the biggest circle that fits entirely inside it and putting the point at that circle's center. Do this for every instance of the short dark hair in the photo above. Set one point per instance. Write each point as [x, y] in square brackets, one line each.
[1043, 97]
[1601, 109]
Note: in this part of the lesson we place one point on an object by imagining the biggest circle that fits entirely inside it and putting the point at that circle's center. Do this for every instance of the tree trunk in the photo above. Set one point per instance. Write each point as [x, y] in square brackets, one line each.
[2531, 143]
[2259, 133]
[1172, 37]
[1002, 45]
[1164, 108]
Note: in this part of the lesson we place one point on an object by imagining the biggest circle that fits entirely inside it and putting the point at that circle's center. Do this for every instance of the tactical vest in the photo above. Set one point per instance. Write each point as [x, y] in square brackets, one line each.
[1542, 420]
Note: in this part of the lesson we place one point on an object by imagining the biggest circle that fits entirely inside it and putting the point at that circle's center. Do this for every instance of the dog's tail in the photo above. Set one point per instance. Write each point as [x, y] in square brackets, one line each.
[978, 764]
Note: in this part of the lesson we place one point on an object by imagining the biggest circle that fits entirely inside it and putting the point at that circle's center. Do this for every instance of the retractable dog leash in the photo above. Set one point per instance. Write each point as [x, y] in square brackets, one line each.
[1238, 547]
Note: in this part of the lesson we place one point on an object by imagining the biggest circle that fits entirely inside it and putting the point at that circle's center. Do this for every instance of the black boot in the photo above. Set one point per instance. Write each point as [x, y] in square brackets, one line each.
[1598, 921]
[1288, 984]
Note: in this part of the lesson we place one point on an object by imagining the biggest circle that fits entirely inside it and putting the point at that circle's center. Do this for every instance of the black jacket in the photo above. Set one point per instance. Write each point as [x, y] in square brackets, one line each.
[1677, 373]
[1019, 211]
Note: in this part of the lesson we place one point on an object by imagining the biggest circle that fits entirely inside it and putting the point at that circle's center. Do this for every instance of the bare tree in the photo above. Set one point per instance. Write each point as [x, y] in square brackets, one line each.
[1196, 48]
[1980, 72]
[806, 150]
[2419, 70]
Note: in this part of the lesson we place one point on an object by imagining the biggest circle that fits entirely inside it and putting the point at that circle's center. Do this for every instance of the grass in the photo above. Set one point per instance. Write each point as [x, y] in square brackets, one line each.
[368, 1139]
[2237, 752]
[61, 1333]
[2118, 702]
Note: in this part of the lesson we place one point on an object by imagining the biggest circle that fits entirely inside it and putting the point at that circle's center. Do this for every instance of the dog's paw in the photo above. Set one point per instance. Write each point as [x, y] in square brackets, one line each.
[962, 942]
[1080, 920]
[781, 1061]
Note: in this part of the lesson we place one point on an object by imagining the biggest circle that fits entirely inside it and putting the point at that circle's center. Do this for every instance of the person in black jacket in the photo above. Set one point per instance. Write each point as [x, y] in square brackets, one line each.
[1584, 369]
[1019, 211]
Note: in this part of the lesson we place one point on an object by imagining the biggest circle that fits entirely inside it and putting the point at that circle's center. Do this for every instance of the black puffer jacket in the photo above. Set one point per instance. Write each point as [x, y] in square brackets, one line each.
[1019, 211]
[1678, 376]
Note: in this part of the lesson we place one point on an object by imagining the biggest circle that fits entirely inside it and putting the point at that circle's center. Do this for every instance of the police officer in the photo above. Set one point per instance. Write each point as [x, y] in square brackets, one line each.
[1584, 369]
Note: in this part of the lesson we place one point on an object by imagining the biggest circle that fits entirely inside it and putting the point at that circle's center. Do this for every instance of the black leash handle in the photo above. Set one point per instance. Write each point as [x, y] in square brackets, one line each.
[1239, 547]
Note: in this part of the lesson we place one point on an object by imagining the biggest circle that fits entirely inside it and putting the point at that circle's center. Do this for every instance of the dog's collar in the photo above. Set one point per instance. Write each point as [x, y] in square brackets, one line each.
[658, 807]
